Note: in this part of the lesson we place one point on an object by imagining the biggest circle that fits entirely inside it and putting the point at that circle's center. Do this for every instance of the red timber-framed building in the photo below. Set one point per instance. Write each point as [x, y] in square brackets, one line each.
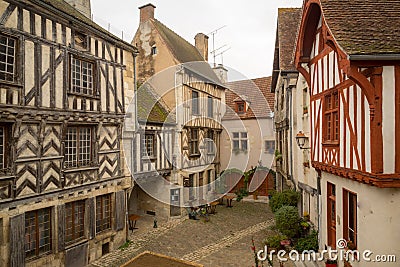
[349, 54]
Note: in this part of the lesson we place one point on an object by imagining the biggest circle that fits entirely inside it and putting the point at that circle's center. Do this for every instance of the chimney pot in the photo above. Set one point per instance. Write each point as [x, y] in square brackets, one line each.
[146, 12]
[201, 43]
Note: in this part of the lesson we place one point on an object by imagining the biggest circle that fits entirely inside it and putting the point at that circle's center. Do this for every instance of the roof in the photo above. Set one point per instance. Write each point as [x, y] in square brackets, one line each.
[150, 259]
[187, 54]
[71, 12]
[150, 107]
[364, 26]
[182, 50]
[287, 27]
[256, 93]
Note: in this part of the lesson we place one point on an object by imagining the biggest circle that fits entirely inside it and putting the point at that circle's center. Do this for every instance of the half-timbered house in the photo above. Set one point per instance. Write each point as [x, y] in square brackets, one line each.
[348, 52]
[190, 89]
[62, 180]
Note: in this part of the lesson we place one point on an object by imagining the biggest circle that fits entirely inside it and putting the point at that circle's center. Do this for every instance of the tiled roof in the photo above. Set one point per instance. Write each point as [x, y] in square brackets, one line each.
[288, 22]
[287, 27]
[150, 107]
[256, 93]
[364, 26]
[150, 259]
[69, 11]
[182, 49]
[186, 53]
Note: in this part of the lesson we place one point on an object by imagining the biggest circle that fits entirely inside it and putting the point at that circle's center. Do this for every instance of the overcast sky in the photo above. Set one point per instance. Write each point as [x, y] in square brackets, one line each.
[250, 26]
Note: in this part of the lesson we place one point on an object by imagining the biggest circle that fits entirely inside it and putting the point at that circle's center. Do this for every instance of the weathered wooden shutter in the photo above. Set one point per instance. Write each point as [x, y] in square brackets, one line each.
[61, 227]
[91, 217]
[17, 237]
[120, 210]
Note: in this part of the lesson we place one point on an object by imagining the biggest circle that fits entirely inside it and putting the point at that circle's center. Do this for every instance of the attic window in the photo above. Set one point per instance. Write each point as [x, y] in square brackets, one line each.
[240, 107]
[154, 50]
[81, 40]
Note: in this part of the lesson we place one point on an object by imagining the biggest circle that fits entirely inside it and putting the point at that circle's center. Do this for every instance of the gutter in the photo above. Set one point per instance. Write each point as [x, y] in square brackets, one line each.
[374, 57]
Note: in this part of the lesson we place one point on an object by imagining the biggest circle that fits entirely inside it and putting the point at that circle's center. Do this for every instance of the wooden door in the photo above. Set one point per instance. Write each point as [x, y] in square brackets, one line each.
[331, 220]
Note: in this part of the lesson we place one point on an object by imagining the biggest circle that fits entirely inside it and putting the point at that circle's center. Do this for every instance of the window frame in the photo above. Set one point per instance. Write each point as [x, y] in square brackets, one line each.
[210, 142]
[5, 159]
[210, 107]
[37, 233]
[194, 149]
[15, 77]
[240, 139]
[154, 145]
[331, 125]
[350, 202]
[106, 221]
[240, 104]
[154, 50]
[72, 90]
[76, 150]
[195, 103]
[75, 235]
[268, 148]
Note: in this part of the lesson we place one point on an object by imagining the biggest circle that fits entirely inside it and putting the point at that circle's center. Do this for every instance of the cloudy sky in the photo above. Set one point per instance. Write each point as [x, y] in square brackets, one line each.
[249, 33]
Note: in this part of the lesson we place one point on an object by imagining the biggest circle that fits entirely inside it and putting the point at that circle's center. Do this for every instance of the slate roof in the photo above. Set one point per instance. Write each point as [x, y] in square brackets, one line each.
[364, 26]
[289, 20]
[150, 107]
[71, 12]
[256, 92]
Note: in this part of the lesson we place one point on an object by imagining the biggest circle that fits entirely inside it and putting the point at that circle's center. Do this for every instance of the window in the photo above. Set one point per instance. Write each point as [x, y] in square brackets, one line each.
[195, 103]
[4, 135]
[154, 50]
[269, 147]
[74, 220]
[194, 142]
[240, 107]
[82, 77]
[331, 133]
[239, 141]
[7, 58]
[210, 142]
[350, 216]
[103, 213]
[37, 232]
[78, 147]
[331, 214]
[150, 145]
[210, 107]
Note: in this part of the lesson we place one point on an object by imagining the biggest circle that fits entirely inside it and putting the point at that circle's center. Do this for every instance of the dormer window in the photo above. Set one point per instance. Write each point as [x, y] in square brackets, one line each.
[240, 107]
[154, 50]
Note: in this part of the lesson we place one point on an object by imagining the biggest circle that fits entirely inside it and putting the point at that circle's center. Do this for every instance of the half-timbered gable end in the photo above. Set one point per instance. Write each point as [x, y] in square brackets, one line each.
[351, 64]
[62, 107]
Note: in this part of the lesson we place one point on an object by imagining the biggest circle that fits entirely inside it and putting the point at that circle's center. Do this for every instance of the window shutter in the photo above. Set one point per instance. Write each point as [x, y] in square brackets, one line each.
[91, 217]
[120, 210]
[17, 237]
[61, 227]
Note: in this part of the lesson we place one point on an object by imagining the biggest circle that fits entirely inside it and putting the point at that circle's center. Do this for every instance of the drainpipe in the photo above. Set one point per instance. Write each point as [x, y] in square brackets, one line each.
[292, 83]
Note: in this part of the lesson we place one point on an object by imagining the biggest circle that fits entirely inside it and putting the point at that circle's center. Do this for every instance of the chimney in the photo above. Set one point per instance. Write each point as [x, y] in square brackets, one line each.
[146, 12]
[82, 6]
[201, 43]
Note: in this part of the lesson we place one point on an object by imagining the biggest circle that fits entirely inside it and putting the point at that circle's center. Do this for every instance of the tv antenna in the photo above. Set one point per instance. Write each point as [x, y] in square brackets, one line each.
[222, 54]
[213, 33]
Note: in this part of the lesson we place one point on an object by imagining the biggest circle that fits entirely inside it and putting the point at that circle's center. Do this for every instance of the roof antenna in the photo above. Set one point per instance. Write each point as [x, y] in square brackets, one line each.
[213, 33]
[221, 54]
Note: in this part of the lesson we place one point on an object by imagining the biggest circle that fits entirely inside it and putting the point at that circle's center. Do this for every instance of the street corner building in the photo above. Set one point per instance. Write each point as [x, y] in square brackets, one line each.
[191, 92]
[348, 54]
[63, 183]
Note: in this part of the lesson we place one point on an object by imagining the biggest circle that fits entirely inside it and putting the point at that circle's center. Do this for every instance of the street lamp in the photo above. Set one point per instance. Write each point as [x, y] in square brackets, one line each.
[301, 140]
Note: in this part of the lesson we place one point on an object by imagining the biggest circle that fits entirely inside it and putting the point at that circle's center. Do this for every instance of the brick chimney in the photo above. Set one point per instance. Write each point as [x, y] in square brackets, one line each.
[146, 12]
[201, 43]
[82, 6]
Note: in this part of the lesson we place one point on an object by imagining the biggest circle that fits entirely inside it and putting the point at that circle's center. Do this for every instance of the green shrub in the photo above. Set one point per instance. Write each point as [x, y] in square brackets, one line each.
[285, 198]
[275, 241]
[288, 221]
[242, 192]
[309, 242]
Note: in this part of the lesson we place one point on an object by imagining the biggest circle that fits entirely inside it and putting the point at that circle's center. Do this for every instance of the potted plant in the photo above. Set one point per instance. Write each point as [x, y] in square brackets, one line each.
[331, 263]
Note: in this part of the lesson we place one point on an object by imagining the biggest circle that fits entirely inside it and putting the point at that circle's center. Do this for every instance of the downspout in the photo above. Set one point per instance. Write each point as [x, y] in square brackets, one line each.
[290, 95]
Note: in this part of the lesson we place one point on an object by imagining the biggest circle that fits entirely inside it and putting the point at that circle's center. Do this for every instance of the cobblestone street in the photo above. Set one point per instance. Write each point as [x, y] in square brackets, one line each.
[223, 241]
